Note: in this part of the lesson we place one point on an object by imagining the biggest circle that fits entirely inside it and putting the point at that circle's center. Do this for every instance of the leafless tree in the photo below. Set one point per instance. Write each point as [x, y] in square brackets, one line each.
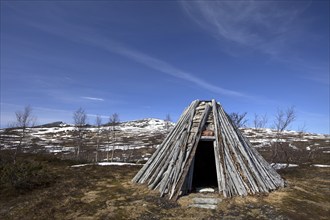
[283, 119]
[108, 136]
[98, 123]
[260, 121]
[79, 119]
[302, 129]
[24, 120]
[238, 119]
[113, 122]
[308, 150]
[167, 122]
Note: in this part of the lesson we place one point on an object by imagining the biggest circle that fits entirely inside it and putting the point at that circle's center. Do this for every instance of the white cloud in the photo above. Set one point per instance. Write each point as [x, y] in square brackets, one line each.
[322, 79]
[95, 115]
[279, 29]
[167, 68]
[43, 115]
[92, 98]
[87, 35]
[263, 25]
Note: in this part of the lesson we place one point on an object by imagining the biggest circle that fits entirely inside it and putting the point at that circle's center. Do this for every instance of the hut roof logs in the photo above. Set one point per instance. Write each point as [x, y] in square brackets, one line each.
[205, 149]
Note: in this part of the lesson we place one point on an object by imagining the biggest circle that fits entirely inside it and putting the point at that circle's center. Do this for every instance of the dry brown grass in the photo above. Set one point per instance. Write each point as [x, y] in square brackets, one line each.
[96, 192]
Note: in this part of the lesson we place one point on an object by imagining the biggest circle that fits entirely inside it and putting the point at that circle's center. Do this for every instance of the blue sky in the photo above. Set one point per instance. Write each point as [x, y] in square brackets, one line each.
[151, 58]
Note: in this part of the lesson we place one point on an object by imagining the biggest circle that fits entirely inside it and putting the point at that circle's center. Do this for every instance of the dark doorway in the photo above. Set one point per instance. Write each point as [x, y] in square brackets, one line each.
[205, 174]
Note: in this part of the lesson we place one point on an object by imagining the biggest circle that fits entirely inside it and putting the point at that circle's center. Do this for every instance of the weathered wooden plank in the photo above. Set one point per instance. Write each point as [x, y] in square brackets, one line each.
[191, 156]
[149, 167]
[217, 152]
[230, 135]
[240, 168]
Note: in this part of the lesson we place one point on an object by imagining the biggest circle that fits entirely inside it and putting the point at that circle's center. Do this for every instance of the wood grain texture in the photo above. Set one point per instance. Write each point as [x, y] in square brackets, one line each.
[240, 169]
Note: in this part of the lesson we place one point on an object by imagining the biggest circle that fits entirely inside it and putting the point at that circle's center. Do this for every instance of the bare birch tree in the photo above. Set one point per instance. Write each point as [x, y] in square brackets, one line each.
[79, 119]
[167, 122]
[283, 119]
[113, 122]
[98, 123]
[24, 120]
[260, 121]
[108, 135]
[238, 119]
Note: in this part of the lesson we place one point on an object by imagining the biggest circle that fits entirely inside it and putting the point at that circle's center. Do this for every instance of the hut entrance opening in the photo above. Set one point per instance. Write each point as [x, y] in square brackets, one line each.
[205, 174]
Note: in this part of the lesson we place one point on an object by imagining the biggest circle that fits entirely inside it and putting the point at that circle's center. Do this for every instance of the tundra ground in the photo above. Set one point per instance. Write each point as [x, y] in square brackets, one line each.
[105, 192]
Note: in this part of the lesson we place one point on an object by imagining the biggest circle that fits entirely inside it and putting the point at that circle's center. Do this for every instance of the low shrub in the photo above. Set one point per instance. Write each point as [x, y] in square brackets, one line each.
[24, 175]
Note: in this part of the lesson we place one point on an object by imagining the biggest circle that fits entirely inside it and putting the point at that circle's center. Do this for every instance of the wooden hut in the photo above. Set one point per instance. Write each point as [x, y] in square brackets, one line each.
[205, 149]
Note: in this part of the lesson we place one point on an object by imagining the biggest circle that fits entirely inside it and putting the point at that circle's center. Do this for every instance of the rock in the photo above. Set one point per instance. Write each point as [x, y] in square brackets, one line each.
[204, 206]
[205, 203]
[212, 201]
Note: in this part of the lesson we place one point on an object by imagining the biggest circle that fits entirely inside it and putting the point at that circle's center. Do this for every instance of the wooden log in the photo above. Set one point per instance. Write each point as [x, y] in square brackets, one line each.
[240, 168]
[151, 164]
[238, 144]
[259, 174]
[171, 161]
[239, 153]
[217, 152]
[184, 146]
[178, 186]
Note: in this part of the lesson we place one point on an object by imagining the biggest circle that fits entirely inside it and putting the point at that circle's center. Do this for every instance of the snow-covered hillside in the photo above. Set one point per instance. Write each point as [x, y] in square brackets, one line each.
[60, 138]
[145, 134]
[265, 137]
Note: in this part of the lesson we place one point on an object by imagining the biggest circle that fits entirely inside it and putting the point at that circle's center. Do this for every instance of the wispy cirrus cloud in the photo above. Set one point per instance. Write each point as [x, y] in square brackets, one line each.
[278, 29]
[88, 36]
[171, 70]
[101, 116]
[263, 25]
[320, 74]
[323, 79]
[43, 115]
[157, 64]
[92, 98]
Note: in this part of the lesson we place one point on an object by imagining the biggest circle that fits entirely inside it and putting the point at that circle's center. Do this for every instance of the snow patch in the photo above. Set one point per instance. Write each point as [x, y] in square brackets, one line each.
[116, 164]
[278, 166]
[106, 164]
[80, 165]
[205, 190]
[293, 147]
[320, 165]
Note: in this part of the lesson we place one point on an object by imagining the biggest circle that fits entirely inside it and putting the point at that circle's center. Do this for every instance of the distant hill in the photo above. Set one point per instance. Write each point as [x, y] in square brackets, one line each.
[139, 138]
[53, 124]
